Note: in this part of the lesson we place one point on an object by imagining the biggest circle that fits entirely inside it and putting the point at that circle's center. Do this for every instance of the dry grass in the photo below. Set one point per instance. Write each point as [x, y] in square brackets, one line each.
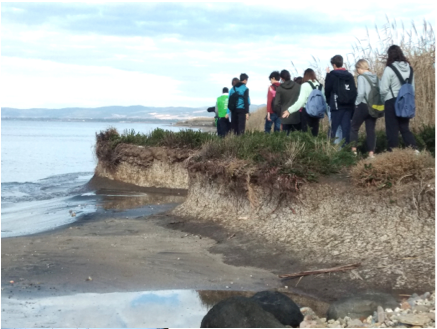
[394, 168]
[257, 120]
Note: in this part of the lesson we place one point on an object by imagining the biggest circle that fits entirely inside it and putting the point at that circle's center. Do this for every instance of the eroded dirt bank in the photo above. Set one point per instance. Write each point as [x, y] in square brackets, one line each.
[391, 233]
[148, 167]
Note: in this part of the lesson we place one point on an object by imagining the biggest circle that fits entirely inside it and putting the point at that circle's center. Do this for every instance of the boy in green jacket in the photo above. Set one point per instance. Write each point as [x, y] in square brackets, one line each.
[223, 124]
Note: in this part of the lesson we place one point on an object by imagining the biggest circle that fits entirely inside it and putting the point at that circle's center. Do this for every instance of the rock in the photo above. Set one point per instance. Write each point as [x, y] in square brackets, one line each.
[381, 314]
[421, 308]
[355, 323]
[405, 306]
[239, 312]
[360, 306]
[414, 319]
[281, 306]
[431, 315]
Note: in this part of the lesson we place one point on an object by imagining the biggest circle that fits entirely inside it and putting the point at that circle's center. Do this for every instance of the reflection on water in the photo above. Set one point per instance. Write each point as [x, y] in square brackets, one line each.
[168, 308]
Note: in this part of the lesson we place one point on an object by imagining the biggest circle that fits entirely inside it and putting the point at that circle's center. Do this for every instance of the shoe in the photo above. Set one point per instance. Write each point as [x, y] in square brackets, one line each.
[417, 152]
[355, 153]
[371, 157]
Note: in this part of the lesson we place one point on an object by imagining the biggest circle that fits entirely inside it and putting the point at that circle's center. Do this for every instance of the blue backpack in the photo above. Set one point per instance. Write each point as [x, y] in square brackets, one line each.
[405, 105]
[316, 106]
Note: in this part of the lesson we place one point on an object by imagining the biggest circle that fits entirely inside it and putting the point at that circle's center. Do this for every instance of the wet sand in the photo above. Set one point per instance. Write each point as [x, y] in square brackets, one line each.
[132, 245]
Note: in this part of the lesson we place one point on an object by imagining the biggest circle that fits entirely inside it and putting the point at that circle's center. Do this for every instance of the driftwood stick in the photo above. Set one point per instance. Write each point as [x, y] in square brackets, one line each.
[324, 270]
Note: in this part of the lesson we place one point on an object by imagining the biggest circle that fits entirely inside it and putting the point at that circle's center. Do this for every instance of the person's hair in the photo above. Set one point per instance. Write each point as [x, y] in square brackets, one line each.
[243, 76]
[235, 81]
[362, 64]
[337, 60]
[298, 80]
[285, 75]
[225, 90]
[309, 74]
[275, 74]
[395, 54]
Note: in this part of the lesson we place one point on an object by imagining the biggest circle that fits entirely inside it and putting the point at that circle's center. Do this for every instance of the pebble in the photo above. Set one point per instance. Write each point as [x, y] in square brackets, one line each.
[422, 314]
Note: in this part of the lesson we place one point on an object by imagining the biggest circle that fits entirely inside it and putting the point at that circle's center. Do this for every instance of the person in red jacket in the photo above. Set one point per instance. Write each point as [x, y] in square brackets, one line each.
[272, 118]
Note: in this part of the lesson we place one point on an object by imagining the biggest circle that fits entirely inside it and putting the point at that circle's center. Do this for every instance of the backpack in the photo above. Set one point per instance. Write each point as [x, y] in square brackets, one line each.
[316, 106]
[276, 110]
[345, 90]
[233, 101]
[374, 102]
[405, 105]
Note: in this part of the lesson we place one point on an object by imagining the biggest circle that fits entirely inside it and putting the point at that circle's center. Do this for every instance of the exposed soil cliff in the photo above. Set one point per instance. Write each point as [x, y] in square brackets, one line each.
[391, 232]
[145, 166]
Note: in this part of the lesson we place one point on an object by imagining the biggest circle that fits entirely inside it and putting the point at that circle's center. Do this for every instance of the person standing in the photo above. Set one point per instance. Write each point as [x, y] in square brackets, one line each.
[272, 118]
[397, 72]
[242, 102]
[309, 118]
[340, 92]
[223, 124]
[286, 95]
[366, 80]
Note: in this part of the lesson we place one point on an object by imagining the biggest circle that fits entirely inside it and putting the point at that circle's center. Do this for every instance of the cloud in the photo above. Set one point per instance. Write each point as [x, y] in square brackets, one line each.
[38, 83]
[192, 50]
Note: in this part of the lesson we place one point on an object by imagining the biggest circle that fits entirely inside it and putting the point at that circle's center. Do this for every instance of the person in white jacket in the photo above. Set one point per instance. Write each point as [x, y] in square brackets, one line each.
[389, 89]
[305, 91]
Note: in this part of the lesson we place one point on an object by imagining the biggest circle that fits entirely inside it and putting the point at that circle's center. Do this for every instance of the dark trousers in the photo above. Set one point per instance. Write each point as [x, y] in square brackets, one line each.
[223, 127]
[394, 125]
[274, 119]
[238, 123]
[309, 121]
[291, 127]
[361, 115]
[342, 118]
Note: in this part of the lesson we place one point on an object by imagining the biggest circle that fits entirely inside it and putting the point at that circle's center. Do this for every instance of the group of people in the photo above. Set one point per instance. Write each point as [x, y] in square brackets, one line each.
[301, 103]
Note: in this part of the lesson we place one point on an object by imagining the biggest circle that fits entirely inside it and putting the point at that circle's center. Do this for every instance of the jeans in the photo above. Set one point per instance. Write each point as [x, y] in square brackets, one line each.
[292, 127]
[394, 125]
[223, 127]
[341, 118]
[362, 115]
[274, 119]
[309, 121]
[238, 123]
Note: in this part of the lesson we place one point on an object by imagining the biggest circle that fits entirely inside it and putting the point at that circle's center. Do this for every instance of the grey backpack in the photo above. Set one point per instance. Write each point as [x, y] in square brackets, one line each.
[374, 102]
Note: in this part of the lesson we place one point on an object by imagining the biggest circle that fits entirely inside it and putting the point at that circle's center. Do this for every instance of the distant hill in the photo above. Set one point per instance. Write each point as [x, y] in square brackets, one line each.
[135, 112]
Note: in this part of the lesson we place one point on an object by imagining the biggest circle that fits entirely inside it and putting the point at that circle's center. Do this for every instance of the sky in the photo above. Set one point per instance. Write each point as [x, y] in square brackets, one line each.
[66, 54]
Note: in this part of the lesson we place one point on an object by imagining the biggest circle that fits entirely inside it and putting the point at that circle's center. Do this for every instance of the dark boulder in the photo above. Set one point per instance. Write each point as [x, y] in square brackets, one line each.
[239, 312]
[361, 305]
[281, 306]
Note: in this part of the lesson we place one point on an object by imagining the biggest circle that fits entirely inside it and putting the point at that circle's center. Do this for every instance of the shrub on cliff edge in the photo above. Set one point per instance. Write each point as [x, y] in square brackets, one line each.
[394, 168]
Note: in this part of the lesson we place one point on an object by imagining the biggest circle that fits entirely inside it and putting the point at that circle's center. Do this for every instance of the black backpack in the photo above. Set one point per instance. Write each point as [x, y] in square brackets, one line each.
[233, 101]
[276, 110]
[345, 90]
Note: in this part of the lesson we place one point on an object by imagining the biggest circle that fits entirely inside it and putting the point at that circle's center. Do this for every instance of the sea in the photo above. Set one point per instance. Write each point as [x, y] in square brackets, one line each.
[45, 168]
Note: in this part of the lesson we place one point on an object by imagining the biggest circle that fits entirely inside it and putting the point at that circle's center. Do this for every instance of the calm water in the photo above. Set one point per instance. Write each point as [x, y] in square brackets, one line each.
[44, 166]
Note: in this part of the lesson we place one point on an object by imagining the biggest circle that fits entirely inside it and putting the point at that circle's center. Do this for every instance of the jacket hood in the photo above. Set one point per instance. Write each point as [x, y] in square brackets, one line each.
[288, 84]
[241, 87]
[340, 73]
[403, 67]
[373, 77]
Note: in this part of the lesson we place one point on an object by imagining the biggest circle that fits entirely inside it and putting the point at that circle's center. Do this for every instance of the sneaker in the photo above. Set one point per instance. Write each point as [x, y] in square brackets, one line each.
[417, 152]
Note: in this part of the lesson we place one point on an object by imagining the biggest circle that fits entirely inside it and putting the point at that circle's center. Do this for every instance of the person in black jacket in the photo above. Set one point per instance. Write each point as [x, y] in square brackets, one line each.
[340, 92]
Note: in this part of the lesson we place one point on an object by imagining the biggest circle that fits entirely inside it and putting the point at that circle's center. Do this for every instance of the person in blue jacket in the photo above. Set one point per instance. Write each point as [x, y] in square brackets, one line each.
[241, 114]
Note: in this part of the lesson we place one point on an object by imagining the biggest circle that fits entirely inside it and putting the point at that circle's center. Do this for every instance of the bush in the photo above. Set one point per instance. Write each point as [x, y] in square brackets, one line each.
[390, 168]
